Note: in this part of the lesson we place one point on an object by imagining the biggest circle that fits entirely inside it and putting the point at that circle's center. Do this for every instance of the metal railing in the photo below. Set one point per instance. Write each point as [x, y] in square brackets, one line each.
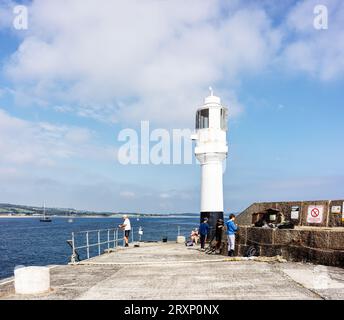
[108, 238]
[111, 241]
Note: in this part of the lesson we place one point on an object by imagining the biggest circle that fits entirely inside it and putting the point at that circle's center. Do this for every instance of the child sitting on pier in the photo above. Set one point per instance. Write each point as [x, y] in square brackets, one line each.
[194, 236]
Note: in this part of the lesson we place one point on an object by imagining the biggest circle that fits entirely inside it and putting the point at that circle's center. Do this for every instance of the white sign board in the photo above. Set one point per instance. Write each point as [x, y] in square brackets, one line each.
[315, 214]
[295, 215]
[336, 209]
[272, 217]
[295, 210]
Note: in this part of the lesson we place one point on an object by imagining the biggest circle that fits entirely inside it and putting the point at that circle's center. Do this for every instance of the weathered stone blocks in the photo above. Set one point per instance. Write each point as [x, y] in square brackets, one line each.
[316, 245]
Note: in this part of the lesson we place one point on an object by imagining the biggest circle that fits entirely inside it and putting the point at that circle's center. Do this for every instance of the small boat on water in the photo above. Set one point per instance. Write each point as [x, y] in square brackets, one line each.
[45, 218]
[70, 218]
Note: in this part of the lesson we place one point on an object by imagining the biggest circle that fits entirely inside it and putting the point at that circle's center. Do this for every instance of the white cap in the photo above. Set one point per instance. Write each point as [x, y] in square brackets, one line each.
[212, 98]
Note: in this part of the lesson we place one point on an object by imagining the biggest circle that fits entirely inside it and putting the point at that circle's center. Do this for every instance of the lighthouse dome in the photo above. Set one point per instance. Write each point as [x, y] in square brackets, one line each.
[212, 99]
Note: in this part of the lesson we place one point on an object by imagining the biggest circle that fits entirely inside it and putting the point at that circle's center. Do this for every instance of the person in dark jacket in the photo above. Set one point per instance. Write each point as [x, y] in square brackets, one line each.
[218, 233]
[203, 231]
[231, 229]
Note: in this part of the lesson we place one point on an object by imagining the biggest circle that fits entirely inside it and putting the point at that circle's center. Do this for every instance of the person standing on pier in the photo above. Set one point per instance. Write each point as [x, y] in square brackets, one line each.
[203, 231]
[126, 226]
[218, 233]
[231, 229]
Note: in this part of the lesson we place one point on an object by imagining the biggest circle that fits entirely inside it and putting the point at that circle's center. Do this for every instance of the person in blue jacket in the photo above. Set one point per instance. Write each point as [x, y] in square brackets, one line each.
[203, 231]
[231, 229]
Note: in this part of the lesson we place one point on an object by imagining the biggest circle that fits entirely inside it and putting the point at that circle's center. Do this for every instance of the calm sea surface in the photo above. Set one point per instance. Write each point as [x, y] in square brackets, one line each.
[27, 241]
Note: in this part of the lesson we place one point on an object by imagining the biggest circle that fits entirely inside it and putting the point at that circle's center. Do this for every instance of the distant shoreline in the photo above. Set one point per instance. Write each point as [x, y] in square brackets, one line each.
[39, 217]
[93, 217]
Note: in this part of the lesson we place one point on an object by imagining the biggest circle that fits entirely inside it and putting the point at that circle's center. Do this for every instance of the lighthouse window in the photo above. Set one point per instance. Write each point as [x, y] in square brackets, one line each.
[202, 119]
[224, 116]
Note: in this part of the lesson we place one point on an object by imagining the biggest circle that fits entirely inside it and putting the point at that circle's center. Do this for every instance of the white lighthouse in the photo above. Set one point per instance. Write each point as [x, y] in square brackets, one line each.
[211, 150]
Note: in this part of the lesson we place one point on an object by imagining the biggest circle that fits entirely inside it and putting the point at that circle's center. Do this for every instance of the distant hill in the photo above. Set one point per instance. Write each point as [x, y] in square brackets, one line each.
[14, 209]
[6, 208]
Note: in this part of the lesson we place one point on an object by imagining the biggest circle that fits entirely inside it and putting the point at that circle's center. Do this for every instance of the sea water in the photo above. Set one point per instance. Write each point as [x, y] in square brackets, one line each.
[29, 242]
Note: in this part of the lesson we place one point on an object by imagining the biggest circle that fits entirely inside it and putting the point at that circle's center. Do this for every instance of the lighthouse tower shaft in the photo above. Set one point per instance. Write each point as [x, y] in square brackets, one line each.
[211, 182]
[211, 151]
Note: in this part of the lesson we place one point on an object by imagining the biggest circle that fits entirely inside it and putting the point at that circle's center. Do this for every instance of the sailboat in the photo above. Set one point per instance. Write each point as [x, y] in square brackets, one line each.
[45, 218]
[70, 219]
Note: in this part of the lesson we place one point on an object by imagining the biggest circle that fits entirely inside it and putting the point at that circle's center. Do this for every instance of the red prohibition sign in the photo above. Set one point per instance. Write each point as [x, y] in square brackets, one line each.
[315, 212]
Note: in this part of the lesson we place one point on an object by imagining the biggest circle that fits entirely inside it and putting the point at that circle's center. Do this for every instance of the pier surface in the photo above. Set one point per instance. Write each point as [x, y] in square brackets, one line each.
[173, 271]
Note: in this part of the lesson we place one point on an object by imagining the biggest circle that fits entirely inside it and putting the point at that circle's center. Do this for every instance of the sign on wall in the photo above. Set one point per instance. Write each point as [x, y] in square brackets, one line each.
[336, 209]
[315, 214]
[295, 212]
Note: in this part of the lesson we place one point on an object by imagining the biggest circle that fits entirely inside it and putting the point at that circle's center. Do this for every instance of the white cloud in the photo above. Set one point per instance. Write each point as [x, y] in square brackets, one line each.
[6, 14]
[127, 194]
[42, 160]
[42, 144]
[318, 53]
[164, 196]
[128, 61]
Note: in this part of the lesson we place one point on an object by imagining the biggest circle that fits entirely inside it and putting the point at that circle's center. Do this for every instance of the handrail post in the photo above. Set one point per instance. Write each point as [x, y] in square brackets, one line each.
[73, 249]
[73, 242]
[98, 242]
[87, 246]
[107, 239]
[132, 235]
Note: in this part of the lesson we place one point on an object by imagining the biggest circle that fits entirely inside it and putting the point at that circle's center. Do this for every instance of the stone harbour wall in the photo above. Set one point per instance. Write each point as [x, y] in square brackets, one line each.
[332, 212]
[307, 244]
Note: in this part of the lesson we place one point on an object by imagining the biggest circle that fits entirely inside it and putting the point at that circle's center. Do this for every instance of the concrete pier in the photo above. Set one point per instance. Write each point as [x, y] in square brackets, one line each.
[174, 271]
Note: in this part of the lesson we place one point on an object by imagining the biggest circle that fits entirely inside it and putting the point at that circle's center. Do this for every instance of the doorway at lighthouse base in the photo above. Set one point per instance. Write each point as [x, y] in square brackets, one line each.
[212, 219]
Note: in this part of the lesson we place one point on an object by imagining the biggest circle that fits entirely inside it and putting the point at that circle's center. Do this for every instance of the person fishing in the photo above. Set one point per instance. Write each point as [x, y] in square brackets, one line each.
[126, 226]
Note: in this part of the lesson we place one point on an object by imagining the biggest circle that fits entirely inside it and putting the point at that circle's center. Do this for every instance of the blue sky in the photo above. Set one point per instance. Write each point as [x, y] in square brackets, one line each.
[82, 72]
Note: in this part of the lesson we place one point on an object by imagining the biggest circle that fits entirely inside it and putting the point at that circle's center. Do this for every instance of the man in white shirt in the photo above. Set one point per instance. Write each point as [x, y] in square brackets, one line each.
[126, 227]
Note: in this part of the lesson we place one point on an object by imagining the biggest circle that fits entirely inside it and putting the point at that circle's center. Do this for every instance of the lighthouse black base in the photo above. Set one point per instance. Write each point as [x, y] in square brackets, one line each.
[212, 219]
